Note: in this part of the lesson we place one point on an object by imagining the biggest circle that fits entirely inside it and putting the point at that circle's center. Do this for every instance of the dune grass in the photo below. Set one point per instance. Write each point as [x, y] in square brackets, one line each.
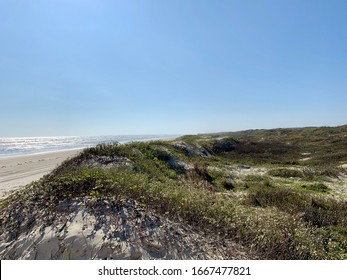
[276, 220]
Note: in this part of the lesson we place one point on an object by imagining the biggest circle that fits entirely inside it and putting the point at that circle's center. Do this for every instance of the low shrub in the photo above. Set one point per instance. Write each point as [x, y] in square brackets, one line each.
[283, 198]
[317, 187]
[324, 212]
[286, 173]
[202, 171]
[224, 145]
[228, 185]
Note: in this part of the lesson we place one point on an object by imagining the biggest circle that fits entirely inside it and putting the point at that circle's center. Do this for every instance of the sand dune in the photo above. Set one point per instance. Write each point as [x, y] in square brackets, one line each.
[17, 171]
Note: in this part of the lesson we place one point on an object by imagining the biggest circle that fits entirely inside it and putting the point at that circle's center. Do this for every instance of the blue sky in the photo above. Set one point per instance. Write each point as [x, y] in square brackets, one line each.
[102, 67]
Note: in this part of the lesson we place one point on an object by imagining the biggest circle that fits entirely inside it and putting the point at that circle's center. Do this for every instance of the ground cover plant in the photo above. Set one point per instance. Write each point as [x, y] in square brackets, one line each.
[280, 193]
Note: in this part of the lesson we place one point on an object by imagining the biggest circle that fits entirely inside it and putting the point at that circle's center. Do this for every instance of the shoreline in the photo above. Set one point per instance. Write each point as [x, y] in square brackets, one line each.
[32, 153]
[19, 170]
[39, 153]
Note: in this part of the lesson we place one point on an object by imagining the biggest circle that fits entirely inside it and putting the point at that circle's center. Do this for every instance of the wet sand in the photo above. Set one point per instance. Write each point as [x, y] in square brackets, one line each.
[18, 171]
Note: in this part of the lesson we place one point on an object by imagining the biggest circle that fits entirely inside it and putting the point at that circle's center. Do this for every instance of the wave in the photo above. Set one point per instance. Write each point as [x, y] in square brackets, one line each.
[31, 145]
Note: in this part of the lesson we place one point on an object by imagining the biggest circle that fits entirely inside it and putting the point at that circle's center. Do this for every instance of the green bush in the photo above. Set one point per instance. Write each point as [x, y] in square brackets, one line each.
[317, 187]
[283, 198]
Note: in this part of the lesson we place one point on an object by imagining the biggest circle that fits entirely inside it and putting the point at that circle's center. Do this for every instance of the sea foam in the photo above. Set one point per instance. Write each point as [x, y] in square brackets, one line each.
[31, 145]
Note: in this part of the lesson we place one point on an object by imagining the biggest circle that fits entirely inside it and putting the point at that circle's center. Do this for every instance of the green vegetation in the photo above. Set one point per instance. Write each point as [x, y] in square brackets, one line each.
[317, 187]
[323, 145]
[286, 173]
[251, 187]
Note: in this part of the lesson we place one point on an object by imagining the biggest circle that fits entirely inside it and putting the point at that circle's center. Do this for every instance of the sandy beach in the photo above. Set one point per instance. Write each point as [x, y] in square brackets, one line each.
[17, 171]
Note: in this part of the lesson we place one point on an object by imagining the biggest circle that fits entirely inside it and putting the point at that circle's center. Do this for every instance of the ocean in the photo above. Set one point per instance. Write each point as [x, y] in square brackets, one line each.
[33, 145]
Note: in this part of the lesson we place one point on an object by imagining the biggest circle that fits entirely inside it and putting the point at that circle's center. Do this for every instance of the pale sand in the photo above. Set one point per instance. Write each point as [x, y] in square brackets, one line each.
[18, 171]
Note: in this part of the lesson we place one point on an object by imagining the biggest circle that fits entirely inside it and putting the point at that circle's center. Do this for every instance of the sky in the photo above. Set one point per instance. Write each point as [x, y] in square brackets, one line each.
[110, 67]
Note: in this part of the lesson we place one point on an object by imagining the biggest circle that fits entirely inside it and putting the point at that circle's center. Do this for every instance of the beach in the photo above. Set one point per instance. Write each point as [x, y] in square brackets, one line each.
[26, 159]
[18, 171]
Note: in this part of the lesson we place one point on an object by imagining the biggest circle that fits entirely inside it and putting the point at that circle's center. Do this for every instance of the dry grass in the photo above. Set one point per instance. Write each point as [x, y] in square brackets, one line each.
[275, 220]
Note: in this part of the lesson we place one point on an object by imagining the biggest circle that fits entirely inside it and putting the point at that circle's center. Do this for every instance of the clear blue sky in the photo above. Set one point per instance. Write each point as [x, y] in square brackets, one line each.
[101, 67]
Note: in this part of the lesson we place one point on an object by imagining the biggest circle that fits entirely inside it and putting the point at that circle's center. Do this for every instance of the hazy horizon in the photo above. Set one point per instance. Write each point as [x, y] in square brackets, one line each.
[176, 134]
[92, 68]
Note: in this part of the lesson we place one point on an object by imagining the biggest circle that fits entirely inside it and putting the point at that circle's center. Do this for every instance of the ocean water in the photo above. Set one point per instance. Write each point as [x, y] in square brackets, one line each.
[32, 145]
